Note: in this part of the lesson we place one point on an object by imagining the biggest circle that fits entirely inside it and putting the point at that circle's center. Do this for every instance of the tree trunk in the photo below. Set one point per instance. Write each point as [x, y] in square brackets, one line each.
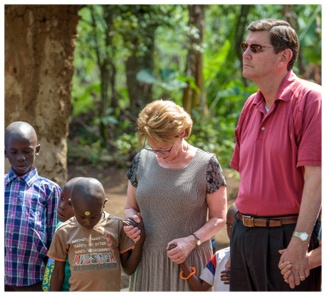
[192, 98]
[140, 93]
[39, 47]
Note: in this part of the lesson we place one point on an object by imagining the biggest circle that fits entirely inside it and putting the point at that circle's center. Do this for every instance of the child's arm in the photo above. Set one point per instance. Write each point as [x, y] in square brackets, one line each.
[314, 258]
[194, 282]
[130, 259]
[189, 274]
[58, 276]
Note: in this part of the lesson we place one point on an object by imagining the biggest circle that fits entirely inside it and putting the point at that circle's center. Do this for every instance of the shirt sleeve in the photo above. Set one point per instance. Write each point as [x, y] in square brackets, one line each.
[58, 249]
[214, 175]
[53, 196]
[308, 129]
[47, 275]
[125, 242]
[132, 172]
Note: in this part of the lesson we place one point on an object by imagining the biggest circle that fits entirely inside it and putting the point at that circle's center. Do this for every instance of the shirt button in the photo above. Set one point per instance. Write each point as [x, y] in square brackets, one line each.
[262, 128]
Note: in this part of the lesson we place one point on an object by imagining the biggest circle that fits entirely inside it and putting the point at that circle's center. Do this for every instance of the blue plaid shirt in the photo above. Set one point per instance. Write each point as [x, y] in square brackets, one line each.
[31, 203]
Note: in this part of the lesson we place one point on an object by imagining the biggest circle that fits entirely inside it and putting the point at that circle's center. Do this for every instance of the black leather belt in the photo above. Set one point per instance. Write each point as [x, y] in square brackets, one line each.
[252, 221]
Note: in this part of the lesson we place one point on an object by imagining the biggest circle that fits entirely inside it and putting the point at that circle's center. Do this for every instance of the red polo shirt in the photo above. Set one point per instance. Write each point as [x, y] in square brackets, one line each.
[273, 147]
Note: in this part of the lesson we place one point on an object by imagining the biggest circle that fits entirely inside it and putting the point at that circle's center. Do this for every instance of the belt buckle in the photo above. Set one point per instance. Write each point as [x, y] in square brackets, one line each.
[248, 221]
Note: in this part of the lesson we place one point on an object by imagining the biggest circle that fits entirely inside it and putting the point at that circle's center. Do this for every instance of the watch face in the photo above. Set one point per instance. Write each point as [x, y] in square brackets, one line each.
[301, 235]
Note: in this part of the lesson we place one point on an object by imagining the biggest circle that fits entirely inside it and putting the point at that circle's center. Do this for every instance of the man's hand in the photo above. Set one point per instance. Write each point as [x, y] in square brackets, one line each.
[295, 255]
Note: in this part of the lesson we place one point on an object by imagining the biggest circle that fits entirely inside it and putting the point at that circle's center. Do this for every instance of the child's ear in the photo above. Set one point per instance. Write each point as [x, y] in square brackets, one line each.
[37, 149]
[6, 156]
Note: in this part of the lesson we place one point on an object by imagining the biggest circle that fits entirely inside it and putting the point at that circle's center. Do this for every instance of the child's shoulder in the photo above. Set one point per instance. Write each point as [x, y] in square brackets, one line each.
[47, 185]
[48, 181]
[34, 175]
[222, 252]
[110, 216]
[65, 226]
[112, 219]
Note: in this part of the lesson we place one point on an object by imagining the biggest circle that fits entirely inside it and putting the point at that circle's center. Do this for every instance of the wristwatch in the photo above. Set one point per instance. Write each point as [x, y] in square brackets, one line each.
[303, 236]
[198, 243]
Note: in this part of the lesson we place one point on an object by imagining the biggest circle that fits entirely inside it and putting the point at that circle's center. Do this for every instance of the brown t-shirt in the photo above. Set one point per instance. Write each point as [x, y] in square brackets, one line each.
[94, 254]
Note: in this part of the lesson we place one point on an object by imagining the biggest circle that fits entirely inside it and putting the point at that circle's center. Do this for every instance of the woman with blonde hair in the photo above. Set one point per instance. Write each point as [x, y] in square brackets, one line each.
[180, 191]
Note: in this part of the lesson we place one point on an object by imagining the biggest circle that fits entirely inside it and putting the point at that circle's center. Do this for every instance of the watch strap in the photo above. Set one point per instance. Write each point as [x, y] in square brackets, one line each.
[197, 239]
[303, 236]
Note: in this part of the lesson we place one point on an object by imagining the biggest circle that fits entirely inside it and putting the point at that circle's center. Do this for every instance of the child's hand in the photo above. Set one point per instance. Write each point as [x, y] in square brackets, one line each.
[171, 246]
[225, 276]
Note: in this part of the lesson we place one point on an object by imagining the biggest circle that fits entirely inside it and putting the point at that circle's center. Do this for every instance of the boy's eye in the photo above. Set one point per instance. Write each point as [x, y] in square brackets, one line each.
[26, 152]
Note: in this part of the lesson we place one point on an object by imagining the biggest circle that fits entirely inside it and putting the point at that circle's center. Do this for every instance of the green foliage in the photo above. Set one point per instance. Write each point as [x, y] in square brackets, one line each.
[168, 79]
[214, 134]
[225, 90]
[127, 147]
[310, 36]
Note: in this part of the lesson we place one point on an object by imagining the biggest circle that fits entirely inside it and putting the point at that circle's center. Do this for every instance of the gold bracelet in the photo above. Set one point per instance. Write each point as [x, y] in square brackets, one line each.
[189, 275]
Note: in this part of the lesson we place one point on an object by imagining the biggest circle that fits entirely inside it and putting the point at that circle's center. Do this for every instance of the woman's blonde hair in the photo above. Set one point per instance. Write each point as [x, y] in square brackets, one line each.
[162, 122]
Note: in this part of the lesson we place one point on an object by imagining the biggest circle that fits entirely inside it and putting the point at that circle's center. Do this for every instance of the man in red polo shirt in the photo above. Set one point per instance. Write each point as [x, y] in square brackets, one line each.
[278, 156]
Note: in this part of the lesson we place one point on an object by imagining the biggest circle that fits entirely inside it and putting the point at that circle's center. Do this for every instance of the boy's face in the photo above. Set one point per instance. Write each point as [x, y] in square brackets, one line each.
[88, 214]
[65, 210]
[20, 151]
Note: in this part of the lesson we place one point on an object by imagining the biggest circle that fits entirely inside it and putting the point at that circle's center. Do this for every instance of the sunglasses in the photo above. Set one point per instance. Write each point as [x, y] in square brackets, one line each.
[255, 48]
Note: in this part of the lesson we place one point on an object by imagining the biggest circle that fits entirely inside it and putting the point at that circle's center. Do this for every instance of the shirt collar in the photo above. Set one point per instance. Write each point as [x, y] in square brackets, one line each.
[284, 92]
[29, 178]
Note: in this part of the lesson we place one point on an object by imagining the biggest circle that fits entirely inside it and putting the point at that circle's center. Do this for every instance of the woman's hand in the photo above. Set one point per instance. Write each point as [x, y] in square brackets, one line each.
[179, 249]
[131, 227]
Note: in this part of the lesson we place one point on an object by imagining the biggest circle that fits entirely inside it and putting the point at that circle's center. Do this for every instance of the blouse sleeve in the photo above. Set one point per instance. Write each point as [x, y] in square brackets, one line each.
[214, 175]
[132, 172]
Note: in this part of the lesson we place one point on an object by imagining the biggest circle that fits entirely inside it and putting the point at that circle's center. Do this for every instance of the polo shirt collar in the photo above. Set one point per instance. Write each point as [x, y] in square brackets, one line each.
[284, 92]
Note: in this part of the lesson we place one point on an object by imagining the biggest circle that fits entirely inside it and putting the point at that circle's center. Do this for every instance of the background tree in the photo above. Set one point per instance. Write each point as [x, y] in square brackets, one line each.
[39, 45]
[194, 66]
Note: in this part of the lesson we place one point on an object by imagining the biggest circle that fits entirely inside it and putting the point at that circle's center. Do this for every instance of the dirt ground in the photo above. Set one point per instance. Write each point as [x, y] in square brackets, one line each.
[115, 185]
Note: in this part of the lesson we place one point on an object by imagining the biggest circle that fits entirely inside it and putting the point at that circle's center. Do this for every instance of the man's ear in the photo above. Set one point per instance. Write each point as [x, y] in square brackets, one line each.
[37, 149]
[286, 56]
[105, 202]
[6, 156]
